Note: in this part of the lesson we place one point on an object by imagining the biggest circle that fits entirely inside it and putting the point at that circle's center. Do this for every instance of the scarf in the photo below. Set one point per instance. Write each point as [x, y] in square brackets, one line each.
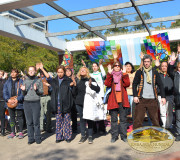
[117, 77]
[149, 80]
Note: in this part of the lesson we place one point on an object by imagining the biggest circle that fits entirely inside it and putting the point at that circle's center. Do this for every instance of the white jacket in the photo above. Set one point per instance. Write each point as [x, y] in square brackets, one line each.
[94, 108]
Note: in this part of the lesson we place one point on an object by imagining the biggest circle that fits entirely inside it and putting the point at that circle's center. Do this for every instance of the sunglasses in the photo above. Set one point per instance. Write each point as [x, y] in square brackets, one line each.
[116, 65]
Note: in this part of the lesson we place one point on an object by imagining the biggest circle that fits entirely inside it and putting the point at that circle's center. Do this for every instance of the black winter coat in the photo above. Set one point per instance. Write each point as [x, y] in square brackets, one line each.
[167, 84]
[80, 89]
[2, 82]
[65, 95]
[176, 77]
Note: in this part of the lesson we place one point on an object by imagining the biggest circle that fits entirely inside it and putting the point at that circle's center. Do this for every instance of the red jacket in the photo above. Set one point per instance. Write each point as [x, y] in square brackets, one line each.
[112, 102]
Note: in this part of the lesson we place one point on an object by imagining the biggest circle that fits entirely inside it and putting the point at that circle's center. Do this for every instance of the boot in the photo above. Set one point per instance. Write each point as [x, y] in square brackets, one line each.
[3, 132]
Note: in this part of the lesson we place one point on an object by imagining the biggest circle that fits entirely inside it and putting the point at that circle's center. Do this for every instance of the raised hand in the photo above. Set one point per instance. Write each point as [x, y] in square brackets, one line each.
[22, 73]
[115, 57]
[83, 63]
[110, 69]
[178, 48]
[100, 61]
[157, 62]
[173, 57]
[40, 66]
[73, 83]
[37, 66]
[124, 69]
[141, 55]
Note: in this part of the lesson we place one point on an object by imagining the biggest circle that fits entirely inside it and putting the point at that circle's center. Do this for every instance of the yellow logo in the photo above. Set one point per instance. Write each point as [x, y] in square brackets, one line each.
[150, 139]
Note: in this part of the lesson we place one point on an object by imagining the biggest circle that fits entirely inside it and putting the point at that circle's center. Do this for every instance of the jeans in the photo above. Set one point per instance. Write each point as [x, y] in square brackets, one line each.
[45, 112]
[2, 115]
[12, 113]
[32, 114]
[83, 122]
[122, 111]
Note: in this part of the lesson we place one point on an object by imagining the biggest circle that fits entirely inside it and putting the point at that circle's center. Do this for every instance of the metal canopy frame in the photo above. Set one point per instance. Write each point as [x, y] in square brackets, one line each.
[104, 9]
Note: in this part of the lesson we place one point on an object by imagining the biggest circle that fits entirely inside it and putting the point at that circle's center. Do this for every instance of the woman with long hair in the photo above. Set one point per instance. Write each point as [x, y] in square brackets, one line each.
[69, 74]
[61, 103]
[79, 91]
[118, 100]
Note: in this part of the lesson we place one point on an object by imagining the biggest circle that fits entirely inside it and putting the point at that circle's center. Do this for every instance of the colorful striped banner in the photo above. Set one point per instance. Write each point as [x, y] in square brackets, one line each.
[158, 46]
[126, 50]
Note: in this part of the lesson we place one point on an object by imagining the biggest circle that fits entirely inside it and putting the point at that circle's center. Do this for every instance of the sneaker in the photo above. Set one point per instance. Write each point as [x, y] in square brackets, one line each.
[90, 140]
[114, 139]
[12, 135]
[82, 140]
[21, 135]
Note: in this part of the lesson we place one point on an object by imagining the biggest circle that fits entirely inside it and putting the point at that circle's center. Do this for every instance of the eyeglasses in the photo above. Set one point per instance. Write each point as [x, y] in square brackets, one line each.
[116, 65]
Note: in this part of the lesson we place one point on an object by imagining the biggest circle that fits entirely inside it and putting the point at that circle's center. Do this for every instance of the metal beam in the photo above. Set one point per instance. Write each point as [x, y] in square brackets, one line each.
[90, 11]
[112, 20]
[75, 19]
[95, 19]
[140, 16]
[163, 19]
[114, 7]
[15, 4]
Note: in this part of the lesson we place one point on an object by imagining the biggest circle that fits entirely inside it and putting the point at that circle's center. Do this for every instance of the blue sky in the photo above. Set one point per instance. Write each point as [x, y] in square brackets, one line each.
[158, 10]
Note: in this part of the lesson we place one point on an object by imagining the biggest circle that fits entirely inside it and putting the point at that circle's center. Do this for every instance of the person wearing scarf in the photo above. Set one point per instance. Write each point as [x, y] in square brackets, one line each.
[118, 100]
[145, 93]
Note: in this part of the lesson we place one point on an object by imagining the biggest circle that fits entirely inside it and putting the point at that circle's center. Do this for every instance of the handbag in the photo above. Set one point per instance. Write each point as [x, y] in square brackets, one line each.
[106, 96]
[13, 105]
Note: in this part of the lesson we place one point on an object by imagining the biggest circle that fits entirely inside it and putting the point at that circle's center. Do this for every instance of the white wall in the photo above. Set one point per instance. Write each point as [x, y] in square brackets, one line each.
[30, 35]
[174, 35]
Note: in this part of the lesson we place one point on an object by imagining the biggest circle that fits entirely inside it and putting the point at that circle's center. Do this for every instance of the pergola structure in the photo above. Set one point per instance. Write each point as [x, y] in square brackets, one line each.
[21, 31]
[87, 28]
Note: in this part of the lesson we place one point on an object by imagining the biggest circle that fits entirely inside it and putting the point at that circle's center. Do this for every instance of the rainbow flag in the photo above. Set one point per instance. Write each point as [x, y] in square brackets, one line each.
[158, 46]
[125, 49]
[103, 50]
[66, 58]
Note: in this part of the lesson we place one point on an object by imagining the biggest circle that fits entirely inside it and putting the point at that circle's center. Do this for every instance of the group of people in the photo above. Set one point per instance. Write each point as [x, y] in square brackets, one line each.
[155, 90]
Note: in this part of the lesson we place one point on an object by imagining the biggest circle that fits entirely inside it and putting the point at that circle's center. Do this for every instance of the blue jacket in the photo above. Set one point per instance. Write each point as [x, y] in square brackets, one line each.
[7, 92]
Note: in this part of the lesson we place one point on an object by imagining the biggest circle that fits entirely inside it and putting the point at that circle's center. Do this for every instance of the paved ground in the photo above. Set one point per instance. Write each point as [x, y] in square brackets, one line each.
[101, 149]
